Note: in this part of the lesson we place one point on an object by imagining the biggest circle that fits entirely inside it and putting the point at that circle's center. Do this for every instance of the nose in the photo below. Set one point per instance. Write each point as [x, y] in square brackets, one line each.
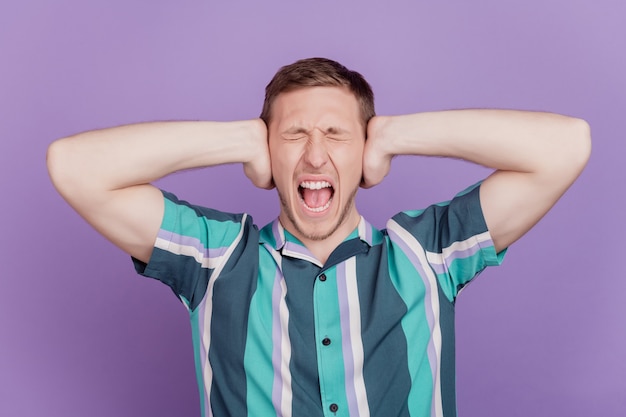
[316, 154]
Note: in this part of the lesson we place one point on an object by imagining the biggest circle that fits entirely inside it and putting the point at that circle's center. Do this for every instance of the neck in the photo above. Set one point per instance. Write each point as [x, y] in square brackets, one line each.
[322, 248]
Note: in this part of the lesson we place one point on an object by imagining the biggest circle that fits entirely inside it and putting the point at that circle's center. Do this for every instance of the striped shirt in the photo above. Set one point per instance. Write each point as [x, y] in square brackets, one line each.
[369, 333]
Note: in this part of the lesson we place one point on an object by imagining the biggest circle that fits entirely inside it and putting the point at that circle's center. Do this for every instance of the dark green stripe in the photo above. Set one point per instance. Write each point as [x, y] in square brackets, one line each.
[448, 363]
[438, 226]
[232, 293]
[386, 371]
[300, 277]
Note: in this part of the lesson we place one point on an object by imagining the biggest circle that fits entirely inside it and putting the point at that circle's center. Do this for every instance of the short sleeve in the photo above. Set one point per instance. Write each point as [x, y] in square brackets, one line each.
[191, 243]
[453, 238]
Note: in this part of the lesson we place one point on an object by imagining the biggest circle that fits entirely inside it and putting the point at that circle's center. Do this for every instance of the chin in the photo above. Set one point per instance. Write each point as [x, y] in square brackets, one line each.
[314, 233]
[318, 229]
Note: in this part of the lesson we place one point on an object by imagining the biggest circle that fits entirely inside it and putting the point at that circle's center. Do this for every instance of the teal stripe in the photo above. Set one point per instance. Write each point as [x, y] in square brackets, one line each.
[469, 189]
[414, 213]
[377, 237]
[460, 272]
[170, 216]
[258, 354]
[466, 267]
[417, 213]
[222, 232]
[491, 257]
[415, 327]
[463, 270]
[330, 358]
[266, 235]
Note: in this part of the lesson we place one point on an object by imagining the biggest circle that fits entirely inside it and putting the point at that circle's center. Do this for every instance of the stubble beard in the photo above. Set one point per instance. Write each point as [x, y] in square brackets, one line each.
[345, 212]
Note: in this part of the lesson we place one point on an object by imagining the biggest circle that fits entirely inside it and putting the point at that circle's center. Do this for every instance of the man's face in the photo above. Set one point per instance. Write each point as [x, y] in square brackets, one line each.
[316, 142]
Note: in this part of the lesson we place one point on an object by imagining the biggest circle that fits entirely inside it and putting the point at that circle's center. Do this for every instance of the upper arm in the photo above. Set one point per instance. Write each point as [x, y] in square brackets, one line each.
[129, 217]
[513, 202]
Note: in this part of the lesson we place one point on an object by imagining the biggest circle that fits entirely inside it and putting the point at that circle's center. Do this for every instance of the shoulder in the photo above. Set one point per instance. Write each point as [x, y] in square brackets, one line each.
[176, 206]
[207, 227]
[441, 224]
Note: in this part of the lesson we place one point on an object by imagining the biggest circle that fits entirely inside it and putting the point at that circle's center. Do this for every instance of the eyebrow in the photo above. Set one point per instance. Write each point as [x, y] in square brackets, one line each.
[296, 130]
[331, 130]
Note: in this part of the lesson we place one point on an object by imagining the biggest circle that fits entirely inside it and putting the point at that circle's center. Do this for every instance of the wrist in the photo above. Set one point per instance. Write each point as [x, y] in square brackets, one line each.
[256, 139]
[409, 134]
[380, 136]
[236, 141]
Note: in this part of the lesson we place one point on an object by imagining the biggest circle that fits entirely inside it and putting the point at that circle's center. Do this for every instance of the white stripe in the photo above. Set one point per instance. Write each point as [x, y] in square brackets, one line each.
[178, 249]
[440, 258]
[185, 302]
[355, 337]
[417, 249]
[303, 256]
[436, 259]
[207, 372]
[362, 229]
[285, 344]
[465, 244]
[285, 348]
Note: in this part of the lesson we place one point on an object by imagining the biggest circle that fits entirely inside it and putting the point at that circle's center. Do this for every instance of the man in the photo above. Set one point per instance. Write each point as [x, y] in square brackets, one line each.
[319, 313]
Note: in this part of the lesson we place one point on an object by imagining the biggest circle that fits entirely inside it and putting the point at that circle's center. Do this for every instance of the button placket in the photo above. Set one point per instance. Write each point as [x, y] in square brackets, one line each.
[328, 340]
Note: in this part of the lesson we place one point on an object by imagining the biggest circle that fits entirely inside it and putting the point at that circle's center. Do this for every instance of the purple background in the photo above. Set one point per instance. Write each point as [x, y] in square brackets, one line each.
[82, 335]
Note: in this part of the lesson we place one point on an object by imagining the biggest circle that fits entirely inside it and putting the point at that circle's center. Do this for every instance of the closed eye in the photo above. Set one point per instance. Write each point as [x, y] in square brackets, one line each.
[293, 137]
[337, 134]
[338, 138]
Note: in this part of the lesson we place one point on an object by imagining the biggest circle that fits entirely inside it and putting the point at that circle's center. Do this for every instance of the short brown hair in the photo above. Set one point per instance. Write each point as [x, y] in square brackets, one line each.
[319, 72]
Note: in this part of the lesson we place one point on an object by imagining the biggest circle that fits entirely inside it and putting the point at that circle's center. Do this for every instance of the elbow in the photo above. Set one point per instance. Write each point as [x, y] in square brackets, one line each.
[568, 155]
[579, 146]
[59, 165]
[53, 157]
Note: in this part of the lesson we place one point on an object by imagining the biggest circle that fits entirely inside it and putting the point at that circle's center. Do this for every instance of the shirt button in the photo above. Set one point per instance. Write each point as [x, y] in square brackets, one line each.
[334, 407]
[326, 341]
[323, 277]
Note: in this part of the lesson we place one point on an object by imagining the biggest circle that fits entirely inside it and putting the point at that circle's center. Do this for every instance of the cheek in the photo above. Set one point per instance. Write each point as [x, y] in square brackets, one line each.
[275, 153]
[353, 163]
[284, 157]
[282, 168]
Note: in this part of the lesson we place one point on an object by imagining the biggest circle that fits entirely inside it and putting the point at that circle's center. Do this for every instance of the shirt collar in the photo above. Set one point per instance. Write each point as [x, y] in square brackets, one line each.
[276, 236]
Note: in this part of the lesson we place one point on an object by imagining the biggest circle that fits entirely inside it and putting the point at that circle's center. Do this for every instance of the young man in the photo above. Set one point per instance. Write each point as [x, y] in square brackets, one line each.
[319, 313]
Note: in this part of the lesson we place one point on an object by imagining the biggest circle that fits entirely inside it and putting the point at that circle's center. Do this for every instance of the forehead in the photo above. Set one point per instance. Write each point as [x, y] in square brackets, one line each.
[316, 107]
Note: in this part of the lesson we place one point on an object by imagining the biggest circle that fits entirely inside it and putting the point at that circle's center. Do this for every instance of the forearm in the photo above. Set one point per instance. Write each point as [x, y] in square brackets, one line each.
[130, 155]
[501, 139]
[537, 156]
[104, 175]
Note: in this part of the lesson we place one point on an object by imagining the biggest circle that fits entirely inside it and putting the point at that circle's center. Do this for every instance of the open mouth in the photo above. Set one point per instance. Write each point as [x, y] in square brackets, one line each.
[316, 195]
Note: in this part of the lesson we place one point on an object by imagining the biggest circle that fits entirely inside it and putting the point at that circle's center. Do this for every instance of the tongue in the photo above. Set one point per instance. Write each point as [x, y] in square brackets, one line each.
[316, 198]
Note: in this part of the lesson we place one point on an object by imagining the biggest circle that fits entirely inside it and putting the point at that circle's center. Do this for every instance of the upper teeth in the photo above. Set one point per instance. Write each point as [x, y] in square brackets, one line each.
[314, 185]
